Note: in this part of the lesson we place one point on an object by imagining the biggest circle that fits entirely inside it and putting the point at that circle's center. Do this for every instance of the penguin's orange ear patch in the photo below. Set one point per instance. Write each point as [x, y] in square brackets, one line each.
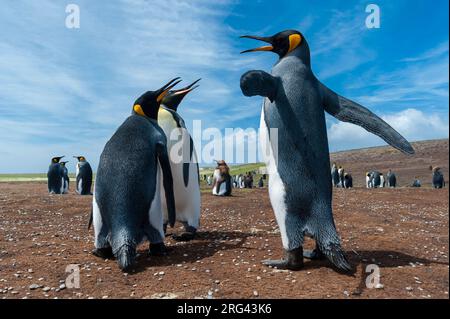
[138, 109]
[294, 41]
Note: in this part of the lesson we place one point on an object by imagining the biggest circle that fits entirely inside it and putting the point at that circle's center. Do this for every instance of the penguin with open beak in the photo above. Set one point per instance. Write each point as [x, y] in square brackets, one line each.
[298, 160]
[185, 171]
[127, 203]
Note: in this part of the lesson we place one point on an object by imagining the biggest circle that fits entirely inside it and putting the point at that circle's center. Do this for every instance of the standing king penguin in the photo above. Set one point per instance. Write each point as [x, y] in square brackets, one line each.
[185, 172]
[127, 201]
[300, 187]
[83, 176]
[55, 178]
[65, 176]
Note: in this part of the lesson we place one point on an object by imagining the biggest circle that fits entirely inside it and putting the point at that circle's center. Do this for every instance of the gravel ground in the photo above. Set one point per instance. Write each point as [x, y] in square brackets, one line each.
[404, 231]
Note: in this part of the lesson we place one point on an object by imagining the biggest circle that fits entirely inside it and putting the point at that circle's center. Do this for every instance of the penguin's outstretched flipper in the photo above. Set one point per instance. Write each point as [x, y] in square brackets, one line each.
[259, 83]
[163, 159]
[348, 111]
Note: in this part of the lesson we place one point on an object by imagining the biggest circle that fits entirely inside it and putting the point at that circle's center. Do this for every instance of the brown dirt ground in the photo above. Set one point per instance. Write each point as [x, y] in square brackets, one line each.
[403, 230]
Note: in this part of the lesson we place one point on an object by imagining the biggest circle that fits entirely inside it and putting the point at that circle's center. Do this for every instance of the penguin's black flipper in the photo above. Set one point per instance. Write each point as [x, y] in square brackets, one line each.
[91, 218]
[259, 83]
[348, 111]
[187, 164]
[163, 158]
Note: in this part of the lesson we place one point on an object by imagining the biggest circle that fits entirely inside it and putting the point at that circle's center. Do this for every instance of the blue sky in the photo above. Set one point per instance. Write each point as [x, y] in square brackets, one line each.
[65, 91]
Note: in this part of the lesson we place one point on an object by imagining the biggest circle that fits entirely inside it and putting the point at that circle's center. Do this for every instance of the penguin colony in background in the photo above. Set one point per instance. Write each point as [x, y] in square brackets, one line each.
[58, 176]
[294, 104]
[139, 189]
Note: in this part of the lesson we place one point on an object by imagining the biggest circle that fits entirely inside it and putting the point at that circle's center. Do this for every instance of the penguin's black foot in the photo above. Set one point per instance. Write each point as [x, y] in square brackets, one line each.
[158, 250]
[314, 254]
[293, 260]
[105, 253]
[185, 236]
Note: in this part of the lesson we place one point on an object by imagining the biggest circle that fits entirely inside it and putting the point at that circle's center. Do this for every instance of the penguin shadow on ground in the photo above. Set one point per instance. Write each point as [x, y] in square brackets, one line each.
[204, 245]
[383, 259]
[388, 258]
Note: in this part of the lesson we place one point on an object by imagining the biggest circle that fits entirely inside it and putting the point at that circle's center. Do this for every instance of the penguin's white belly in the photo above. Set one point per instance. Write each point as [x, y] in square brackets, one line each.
[155, 214]
[187, 199]
[80, 185]
[223, 186]
[97, 222]
[277, 192]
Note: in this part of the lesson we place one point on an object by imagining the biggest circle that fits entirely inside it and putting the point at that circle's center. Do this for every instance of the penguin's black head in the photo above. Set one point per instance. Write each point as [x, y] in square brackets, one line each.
[57, 159]
[174, 97]
[283, 43]
[147, 104]
[80, 158]
[63, 163]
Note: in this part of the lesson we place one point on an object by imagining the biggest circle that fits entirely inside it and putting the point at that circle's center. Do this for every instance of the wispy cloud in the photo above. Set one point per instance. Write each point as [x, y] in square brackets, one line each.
[64, 91]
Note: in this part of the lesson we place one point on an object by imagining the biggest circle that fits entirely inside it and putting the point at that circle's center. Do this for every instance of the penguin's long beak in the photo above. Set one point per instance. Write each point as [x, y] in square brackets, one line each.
[162, 92]
[187, 89]
[263, 48]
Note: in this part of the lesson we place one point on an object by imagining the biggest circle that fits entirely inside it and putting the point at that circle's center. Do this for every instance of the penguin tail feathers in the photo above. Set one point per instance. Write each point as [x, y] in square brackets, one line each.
[126, 255]
[337, 257]
[329, 245]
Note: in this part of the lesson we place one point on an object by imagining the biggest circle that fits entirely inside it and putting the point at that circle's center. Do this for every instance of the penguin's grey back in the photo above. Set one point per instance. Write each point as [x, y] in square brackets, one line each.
[302, 136]
[126, 180]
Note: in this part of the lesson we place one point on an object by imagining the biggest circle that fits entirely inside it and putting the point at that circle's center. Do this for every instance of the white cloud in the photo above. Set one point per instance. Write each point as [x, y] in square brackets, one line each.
[66, 91]
[412, 124]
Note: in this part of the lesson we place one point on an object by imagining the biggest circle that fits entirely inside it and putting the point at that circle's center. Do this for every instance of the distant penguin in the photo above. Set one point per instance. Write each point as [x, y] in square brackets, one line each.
[83, 176]
[382, 182]
[416, 182]
[65, 177]
[185, 171]
[335, 175]
[221, 180]
[348, 181]
[127, 201]
[368, 180]
[437, 178]
[375, 179]
[299, 185]
[341, 174]
[260, 183]
[392, 179]
[55, 177]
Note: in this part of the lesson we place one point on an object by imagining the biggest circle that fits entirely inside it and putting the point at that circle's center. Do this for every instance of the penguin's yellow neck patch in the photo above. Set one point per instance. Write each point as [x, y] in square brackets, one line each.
[138, 109]
[165, 118]
[294, 41]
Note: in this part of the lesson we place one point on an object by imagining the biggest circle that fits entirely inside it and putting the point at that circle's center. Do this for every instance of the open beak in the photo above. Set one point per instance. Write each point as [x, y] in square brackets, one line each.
[187, 89]
[263, 48]
[166, 88]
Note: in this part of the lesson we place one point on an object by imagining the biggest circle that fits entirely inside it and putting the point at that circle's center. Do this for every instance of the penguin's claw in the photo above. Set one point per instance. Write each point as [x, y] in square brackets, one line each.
[104, 253]
[282, 264]
[186, 236]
